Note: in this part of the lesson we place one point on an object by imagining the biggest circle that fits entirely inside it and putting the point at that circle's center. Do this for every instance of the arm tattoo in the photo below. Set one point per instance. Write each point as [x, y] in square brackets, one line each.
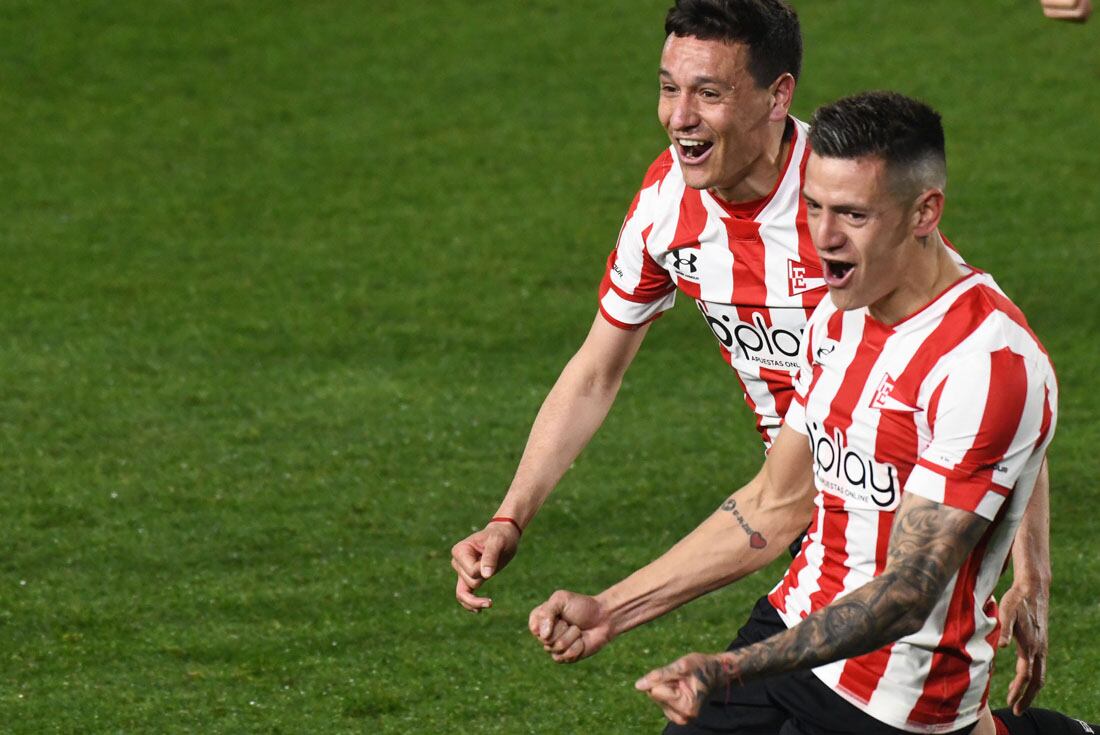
[708, 676]
[928, 544]
[756, 539]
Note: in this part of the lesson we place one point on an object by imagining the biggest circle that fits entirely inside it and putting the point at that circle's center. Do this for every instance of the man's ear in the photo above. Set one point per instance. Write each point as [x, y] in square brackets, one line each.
[927, 212]
[782, 91]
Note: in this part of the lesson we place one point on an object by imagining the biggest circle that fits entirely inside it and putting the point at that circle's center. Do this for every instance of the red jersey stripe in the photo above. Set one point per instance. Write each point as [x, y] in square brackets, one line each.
[862, 674]
[949, 674]
[778, 596]
[833, 566]
[966, 484]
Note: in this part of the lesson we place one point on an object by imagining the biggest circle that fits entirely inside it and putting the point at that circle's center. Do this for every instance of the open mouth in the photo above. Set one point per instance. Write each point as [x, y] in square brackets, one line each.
[692, 150]
[837, 273]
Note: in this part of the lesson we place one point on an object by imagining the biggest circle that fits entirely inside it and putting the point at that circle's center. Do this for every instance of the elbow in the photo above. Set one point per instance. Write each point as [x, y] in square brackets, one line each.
[593, 379]
[905, 622]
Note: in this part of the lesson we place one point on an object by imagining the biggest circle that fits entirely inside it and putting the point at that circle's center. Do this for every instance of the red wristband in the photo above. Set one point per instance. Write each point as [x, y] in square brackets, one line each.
[506, 519]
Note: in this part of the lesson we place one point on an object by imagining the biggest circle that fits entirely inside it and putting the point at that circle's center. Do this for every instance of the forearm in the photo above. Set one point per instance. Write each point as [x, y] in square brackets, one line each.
[1031, 546]
[569, 417]
[928, 544]
[751, 529]
[882, 611]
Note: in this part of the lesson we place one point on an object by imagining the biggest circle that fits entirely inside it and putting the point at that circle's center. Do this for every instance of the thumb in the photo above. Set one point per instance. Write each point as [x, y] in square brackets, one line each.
[1008, 614]
[490, 556]
[653, 678]
[542, 618]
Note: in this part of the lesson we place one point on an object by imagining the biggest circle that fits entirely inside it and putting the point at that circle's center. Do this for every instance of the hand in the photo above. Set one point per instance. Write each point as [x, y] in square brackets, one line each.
[1023, 616]
[478, 557]
[1074, 10]
[570, 626]
[680, 688]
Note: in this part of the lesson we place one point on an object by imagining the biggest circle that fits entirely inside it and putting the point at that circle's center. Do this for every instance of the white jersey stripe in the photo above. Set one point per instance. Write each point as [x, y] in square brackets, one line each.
[627, 312]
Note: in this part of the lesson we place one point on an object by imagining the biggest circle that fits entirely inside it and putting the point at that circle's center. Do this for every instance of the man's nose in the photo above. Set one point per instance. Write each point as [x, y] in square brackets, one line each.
[684, 114]
[827, 236]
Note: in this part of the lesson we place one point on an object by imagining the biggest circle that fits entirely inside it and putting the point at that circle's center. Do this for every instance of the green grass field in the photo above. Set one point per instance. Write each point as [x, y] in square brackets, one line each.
[286, 283]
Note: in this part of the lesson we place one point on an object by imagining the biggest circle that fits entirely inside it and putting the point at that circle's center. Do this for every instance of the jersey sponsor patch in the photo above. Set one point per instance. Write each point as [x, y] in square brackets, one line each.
[771, 346]
[849, 474]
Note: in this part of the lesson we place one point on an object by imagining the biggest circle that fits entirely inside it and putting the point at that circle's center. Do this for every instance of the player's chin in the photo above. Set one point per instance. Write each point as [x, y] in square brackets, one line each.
[843, 303]
[697, 178]
[846, 298]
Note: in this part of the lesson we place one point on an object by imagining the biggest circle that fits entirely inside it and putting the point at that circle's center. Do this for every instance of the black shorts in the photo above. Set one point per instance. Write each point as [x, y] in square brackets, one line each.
[788, 704]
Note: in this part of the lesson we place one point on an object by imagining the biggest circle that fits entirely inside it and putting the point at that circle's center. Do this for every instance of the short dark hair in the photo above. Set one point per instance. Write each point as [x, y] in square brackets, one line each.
[769, 28]
[905, 133]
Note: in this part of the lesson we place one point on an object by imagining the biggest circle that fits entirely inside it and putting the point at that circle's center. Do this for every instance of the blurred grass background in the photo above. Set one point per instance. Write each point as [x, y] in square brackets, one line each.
[286, 282]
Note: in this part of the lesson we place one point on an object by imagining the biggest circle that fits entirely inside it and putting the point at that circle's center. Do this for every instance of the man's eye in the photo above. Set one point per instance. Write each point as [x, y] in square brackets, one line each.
[709, 94]
[668, 89]
[856, 217]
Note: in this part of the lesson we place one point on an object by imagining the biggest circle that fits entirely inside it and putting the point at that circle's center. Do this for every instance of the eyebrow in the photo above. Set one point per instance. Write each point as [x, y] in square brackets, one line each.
[843, 208]
[699, 80]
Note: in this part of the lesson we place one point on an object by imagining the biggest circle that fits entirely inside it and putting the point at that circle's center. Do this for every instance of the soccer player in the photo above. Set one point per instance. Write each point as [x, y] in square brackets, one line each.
[720, 219]
[923, 408]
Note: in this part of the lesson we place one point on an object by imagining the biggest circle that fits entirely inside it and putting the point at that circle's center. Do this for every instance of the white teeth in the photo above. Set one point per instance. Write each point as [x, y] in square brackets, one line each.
[686, 143]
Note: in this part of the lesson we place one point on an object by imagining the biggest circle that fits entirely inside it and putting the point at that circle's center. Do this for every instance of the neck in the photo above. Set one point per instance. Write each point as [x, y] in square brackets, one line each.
[930, 270]
[759, 178]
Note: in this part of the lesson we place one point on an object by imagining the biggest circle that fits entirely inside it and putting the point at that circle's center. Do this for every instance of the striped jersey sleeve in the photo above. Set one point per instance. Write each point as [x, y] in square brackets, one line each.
[635, 290]
[991, 413]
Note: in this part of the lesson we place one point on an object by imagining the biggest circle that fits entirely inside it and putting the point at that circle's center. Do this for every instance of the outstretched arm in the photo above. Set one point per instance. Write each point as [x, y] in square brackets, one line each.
[1023, 609]
[928, 543]
[750, 529]
[575, 407]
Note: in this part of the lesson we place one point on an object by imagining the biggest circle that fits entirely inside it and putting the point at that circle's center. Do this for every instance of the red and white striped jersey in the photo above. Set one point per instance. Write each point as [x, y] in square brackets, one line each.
[956, 404]
[751, 269]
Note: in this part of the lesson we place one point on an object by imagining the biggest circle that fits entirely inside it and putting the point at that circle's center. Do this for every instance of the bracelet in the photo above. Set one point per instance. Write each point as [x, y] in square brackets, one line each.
[506, 519]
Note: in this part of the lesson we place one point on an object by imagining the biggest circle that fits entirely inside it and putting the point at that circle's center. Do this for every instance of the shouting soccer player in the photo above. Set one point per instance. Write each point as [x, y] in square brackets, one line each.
[923, 408]
[719, 218]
